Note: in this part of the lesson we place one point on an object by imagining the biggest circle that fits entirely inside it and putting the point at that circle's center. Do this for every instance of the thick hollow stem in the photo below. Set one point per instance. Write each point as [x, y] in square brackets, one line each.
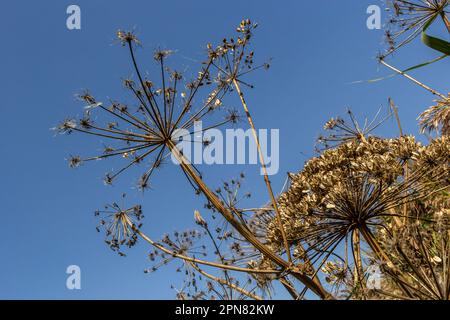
[373, 244]
[356, 244]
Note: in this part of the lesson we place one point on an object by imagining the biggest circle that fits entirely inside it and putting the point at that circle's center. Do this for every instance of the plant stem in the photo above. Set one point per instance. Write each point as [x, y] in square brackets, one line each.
[413, 80]
[405, 166]
[198, 261]
[357, 256]
[226, 283]
[373, 244]
[263, 165]
[290, 288]
[446, 21]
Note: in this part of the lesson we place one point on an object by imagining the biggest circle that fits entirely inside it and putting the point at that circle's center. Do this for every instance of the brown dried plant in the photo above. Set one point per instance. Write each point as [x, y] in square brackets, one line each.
[362, 201]
[148, 130]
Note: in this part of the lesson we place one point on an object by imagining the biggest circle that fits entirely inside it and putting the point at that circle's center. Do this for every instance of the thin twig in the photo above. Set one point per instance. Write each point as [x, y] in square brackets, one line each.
[226, 283]
[263, 165]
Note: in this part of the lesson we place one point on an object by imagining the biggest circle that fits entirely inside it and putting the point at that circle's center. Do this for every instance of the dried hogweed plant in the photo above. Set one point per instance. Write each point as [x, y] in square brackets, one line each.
[363, 201]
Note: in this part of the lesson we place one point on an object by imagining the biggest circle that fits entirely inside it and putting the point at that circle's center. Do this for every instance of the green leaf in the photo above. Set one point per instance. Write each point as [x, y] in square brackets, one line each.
[436, 43]
[433, 42]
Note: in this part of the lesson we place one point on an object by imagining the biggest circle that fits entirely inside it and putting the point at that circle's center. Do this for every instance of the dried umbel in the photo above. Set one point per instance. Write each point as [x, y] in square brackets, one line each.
[339, 130]
[410, 17]
[380, 159]
[145, 134]
[437, 118]
[120, 225]
[349, 175]
[338, 275]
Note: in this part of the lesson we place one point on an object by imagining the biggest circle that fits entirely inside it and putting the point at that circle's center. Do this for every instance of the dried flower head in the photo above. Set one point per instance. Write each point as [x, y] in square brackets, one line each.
[160, 55]
[410, 17]
[199, 219]
[127, 37]
[342, 131]
[66, 126]
[233, 58]
[120, 225]
[74, 161]
[437, 117]
[147, 134]
[356, 189]
[337, 273]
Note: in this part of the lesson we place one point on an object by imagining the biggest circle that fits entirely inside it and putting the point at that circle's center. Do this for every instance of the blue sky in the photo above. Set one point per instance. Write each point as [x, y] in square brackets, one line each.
[318, 49]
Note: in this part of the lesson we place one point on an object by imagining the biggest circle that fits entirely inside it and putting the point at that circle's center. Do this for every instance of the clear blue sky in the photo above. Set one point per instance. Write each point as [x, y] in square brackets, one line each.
[318, 49]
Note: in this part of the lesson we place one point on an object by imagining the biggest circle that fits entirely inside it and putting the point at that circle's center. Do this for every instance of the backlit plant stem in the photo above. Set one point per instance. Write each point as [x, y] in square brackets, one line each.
[263, 165]
[198, 261]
